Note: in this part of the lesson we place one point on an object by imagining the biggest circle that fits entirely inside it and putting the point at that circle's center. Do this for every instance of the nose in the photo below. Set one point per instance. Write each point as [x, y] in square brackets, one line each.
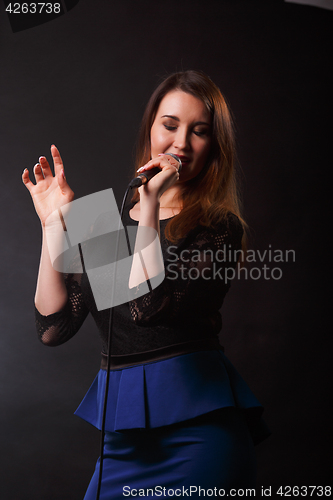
[181, 140]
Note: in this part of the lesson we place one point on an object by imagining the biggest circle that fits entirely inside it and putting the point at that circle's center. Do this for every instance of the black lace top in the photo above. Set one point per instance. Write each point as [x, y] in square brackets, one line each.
[184, 307]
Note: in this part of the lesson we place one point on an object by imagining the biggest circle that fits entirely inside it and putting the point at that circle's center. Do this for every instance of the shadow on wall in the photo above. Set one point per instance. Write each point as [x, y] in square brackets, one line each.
[324, 4]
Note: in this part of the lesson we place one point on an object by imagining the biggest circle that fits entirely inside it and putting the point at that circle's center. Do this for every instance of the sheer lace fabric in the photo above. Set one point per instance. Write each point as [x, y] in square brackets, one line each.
[185, 306]
[195, 280]
[61, 326]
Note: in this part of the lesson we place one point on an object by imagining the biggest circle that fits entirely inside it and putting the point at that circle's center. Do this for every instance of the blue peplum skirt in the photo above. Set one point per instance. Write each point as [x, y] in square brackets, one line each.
[183, 423]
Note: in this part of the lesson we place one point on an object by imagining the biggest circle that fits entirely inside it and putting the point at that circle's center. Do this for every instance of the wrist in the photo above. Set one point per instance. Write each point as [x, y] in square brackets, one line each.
[147, 202]
[149, 213]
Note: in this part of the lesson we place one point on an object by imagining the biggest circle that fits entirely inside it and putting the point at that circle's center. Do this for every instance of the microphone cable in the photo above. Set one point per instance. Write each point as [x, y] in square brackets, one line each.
[107, 382]
[136, 182]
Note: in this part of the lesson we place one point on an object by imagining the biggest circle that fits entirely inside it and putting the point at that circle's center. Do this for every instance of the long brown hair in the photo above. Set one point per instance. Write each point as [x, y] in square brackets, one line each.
[213, 193]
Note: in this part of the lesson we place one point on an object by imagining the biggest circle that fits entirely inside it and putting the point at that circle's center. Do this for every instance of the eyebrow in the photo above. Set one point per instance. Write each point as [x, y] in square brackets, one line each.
[177, 119]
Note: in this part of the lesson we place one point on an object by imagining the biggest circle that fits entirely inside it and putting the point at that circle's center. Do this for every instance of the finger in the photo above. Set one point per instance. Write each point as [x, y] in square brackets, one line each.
[173, 160]
[57, 161]
[154, 162]
[45, 167]
[168, 161]
[63, 185]
[161, 162]
[26, 179]
[38, 172]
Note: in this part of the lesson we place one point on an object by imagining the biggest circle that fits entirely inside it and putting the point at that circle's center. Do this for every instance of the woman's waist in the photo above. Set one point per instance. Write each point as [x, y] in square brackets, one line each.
[126, 360]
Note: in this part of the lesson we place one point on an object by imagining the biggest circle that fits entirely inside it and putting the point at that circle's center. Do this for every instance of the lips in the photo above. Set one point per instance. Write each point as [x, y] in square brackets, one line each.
[184, 159]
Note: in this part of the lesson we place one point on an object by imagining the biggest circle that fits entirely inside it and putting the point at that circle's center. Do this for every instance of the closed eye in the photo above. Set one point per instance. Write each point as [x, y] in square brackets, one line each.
[169, 127]
[200, 133]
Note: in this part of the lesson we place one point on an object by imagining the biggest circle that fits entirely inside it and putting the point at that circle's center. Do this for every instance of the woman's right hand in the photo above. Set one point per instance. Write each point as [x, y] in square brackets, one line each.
[50, 192]
[162, 181]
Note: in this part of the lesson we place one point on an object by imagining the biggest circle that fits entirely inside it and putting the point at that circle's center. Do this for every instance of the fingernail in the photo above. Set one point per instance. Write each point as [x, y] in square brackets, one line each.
[140, 169]
[42, 158]
[24, 170]
[161, 154]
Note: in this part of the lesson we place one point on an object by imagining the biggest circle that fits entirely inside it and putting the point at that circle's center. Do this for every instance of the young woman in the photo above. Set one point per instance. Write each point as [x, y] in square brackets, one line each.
[179, 416]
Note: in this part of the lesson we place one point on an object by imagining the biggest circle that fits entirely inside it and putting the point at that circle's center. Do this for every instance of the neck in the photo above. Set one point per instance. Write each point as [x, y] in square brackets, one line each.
[171, 198]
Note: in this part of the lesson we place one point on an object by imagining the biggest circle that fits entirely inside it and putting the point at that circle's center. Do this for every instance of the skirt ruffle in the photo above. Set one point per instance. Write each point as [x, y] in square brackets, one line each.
[166, 392]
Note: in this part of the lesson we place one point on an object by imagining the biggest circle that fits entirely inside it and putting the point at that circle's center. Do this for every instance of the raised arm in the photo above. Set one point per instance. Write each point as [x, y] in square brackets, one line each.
[48, 194]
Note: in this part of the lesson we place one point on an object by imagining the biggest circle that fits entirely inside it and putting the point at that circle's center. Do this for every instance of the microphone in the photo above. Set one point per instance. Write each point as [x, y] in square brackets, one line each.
[148, 174]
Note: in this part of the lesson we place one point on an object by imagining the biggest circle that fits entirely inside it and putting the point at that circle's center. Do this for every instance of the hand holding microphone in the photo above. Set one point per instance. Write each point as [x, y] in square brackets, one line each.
[147, 173]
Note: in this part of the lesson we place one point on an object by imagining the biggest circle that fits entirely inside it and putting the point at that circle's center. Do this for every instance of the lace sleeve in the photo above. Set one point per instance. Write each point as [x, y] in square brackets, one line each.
[197, 276]
[57, 328]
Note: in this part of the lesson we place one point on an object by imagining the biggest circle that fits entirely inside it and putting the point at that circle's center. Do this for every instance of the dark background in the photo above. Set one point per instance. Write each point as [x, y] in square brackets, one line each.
[81, 82]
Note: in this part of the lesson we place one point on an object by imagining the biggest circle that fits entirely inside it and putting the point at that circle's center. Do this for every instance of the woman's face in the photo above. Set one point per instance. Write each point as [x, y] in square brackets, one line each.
[183, 127]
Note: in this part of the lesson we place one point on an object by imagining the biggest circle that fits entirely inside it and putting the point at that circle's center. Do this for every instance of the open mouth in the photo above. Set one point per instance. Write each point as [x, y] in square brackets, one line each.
[184, 159]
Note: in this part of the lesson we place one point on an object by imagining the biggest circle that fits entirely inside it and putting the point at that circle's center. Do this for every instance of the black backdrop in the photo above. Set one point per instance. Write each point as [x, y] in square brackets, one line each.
[81, 82]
